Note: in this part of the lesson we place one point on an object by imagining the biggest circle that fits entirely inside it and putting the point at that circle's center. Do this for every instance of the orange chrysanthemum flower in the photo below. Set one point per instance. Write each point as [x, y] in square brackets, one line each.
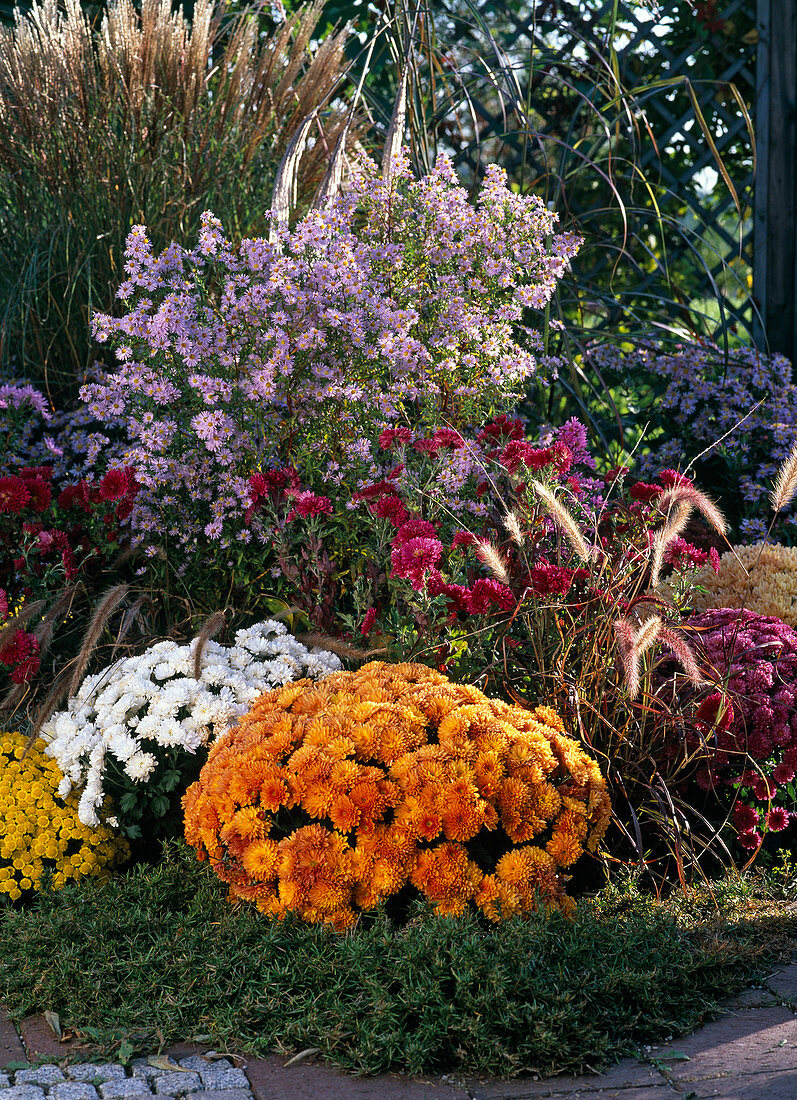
[331, 797]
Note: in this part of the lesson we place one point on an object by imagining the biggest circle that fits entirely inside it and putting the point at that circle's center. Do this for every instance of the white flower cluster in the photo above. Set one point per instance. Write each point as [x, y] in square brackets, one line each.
[155, 698]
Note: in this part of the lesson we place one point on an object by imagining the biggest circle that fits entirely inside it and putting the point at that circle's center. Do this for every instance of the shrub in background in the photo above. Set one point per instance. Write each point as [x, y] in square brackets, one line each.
[731, 416]
[40, 833]
[136, 729]
[326, 800]
[149, 118]
[65, 438]
[761, 577]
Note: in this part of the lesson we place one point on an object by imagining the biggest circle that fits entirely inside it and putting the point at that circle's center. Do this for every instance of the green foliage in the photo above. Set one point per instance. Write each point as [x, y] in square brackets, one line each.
[161, 948]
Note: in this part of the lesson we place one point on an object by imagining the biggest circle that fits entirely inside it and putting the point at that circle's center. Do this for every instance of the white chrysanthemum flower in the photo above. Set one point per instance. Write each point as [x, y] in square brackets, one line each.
[140, 704]
[141, 766]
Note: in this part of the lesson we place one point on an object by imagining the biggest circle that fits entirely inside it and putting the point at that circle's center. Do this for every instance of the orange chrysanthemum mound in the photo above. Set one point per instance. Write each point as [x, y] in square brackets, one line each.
[328, 798]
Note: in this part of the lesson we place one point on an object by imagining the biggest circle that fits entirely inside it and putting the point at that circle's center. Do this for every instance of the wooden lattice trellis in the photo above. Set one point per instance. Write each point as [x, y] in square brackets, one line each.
[704, 247]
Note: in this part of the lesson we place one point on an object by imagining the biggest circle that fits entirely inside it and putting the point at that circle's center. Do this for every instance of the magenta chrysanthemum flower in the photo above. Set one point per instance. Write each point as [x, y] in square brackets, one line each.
[783, 773]
[390, 508]
[415, 528]
[778, 819]
[394, 435]
[745, 817]
[114, 485]
[551, 580]
[448, 437]
[366, 626]
[750, 839]
[415, 555]
[487, 593]
[516, 454]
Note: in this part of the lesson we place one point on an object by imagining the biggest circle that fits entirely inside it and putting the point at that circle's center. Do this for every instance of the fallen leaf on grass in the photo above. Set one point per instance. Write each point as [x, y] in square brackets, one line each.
[162, 1062]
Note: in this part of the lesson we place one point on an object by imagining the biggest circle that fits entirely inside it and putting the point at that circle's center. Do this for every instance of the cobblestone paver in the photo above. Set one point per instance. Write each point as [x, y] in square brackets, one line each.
[197, 1078]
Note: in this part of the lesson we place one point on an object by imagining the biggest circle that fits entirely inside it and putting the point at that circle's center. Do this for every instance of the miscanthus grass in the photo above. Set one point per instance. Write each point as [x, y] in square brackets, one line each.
[158, 955]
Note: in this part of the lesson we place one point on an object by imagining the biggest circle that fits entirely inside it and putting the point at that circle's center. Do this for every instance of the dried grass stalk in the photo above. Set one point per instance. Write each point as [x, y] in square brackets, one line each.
[210, 629]
[699, 501]
[685, 654]
[395, 132]
[513, 529]
[564, 520]
[490, 556]
[60, 689]
[342, 649]
[103, 610]
[18, 621]
[46, 628]
[675, 524]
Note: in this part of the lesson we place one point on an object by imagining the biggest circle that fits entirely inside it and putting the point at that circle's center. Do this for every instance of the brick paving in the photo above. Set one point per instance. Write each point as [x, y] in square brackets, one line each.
[748, 1053]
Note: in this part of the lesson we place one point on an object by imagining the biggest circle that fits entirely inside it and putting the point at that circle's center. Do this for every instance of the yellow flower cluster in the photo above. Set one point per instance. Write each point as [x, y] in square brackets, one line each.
[763, 577]
[328, 798]
[38, 830]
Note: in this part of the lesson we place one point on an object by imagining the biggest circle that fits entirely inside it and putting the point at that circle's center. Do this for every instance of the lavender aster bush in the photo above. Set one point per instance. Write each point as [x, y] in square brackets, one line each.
[401, 298]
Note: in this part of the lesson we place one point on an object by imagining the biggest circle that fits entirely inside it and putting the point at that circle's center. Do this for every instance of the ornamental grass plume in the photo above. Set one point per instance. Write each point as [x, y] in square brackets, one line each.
[761, 577]
[785, 483]
[40, 833]
[145, 114]
[563, 519]
[326, 800]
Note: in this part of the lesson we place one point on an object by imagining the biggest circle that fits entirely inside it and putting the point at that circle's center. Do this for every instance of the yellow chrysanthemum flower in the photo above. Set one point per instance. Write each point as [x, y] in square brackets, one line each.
[761, 577]
[41, 833]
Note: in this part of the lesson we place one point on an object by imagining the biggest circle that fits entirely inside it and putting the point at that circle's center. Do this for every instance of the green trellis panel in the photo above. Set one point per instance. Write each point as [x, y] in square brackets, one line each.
[678, 160]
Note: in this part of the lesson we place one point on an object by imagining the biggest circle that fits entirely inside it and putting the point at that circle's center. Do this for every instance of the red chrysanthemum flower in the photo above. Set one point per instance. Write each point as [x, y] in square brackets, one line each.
[426, 446]
[550, 580]
[375, 491]
[516, 454]
[642, 491]
[75, 496]
[40, 493]
[668, 478]
[745, 817]
[14, 494]
[115, 485]
[366, 626]
[448, 437]
[415, 555]
[390, 508]
[414, 529]
[308, 503]
[503, 427]
[783, 773]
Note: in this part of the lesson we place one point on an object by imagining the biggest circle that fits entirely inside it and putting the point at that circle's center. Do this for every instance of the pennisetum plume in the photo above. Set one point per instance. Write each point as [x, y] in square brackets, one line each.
[785, 483]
